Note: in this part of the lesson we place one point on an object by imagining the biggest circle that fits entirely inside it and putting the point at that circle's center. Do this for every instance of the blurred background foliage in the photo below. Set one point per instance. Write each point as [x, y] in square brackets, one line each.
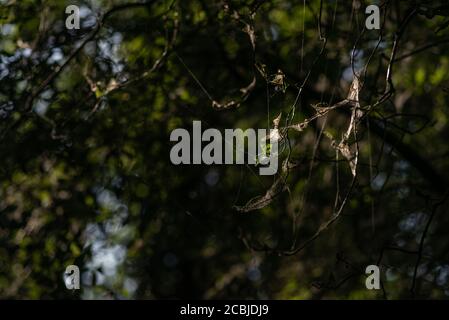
[86, 179]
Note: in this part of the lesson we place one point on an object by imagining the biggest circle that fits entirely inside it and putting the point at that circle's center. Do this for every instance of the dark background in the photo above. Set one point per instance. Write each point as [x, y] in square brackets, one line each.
[86, 179]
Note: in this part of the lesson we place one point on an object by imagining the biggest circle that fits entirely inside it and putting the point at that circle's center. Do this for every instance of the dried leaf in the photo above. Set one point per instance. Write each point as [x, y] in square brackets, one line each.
[298, 127]
[277, 120]
[354, 90]
[260, 202]
[344, 149]
[321, 108]
[236, 103]
[251, 34]
[279, 81]
[227, 105]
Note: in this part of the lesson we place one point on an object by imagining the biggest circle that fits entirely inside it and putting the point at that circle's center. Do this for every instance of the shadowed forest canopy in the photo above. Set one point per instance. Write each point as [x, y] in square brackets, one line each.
[86, 177]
